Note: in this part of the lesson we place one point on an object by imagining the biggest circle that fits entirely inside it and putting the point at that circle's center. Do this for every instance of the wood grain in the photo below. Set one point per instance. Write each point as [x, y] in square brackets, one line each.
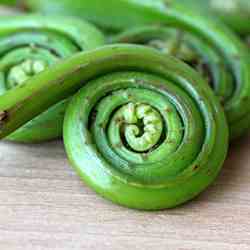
[44, 206]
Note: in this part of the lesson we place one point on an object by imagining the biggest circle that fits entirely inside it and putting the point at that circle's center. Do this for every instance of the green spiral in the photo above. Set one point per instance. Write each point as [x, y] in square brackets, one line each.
[144, 130]
[188, 48]
[124, 14]
[29, 45]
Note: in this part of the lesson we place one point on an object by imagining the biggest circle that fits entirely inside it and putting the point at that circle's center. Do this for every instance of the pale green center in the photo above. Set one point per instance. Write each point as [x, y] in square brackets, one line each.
[143, 126]
[25, 70]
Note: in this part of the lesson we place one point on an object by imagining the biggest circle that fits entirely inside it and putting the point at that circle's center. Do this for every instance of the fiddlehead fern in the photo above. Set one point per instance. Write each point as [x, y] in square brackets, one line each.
[145, 131]
[29, 45]
[128, 13]
[188, 48]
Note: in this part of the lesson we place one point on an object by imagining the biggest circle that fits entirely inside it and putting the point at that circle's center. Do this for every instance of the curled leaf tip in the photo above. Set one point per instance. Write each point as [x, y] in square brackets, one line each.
[19, 74]
[143, 126]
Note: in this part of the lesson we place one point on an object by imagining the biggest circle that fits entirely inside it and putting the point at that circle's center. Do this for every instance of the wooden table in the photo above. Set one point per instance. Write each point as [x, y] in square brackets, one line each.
[44, 206]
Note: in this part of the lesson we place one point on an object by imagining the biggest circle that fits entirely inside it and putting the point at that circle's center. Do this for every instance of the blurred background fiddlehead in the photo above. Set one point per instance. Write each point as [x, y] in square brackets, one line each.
[30, 45]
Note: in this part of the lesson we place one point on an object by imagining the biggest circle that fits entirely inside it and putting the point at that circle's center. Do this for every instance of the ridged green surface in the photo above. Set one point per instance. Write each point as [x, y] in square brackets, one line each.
[190, 49]
[30, 44]
[124, 14]
[144, 131]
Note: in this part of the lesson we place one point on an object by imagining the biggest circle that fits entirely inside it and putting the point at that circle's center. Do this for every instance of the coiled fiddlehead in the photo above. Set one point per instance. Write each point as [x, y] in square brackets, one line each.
[29, 45]
[188, 48]
[145, 131]
[128, 13]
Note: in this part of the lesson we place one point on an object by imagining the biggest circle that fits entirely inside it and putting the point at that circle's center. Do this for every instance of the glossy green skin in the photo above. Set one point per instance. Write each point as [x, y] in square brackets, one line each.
[55, 38]
[45, 127]
[124, 14]
[143, 182]
[235, 13]
[188, 48]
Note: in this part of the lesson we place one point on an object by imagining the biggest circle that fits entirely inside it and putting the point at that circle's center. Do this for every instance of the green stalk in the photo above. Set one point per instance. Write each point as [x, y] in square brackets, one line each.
[145, 131]
[29, 45]
[124, 14]
[235, 13]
